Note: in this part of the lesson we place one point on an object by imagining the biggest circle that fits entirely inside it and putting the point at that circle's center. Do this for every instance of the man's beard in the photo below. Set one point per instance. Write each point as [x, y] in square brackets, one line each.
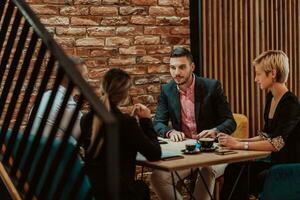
[184, 81]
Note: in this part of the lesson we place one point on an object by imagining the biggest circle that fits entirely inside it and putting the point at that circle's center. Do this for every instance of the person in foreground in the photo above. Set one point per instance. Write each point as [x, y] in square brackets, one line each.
[281, 132]
[56, 106]
[197, 108]
[134, 138]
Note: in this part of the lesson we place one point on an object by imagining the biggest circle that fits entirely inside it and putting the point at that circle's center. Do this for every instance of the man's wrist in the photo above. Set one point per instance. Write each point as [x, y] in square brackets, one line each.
[216, 130]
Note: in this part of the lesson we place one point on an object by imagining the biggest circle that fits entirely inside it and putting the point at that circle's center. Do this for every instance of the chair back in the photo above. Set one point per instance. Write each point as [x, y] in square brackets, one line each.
[242, 126]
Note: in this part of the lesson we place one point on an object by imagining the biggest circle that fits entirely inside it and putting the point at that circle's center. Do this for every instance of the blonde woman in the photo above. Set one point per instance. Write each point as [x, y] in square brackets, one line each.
[134, 138]
[281, 132]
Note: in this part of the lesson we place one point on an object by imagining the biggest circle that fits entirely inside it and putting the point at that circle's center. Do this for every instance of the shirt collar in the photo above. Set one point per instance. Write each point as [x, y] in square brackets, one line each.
[189, 88]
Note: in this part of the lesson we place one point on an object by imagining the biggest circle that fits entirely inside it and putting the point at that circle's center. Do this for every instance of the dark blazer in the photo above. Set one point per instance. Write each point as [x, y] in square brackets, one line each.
[211, 108]
[133, 138]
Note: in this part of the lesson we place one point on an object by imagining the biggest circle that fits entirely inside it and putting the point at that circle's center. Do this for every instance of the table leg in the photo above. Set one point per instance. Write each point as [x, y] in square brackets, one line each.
[187, 189]
[174, 186]
[205, 184]
[236, 181]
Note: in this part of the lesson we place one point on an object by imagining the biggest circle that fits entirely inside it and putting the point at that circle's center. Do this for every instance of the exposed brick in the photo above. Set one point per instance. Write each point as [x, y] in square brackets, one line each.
[142, 20]
[182, 12]
[55, 20]
[144, 99]
[83, 51]
[87, 2]
[153, 88]
[117, 41]
[180, 30]
[104, 52]
[89, 42]
[110, 2]
[70, 31]
[74, 10]
[104, 11]
[62, 2]
[158, 49]
[129, 30]
[172, 40]
[122, 61]
[144, 2]
[161, 11]
[101, 31]
[45, 9]
[85, 21]
[168, 21]
[125, 2]
[99, 62]
[145, 40]
[133, 50]
[165, 78]
[149, 60]
[185, 21]
[131, 10]
[186, 3]
[170, 2]
[137, 90]
[157, 30]
[97, 73]
[158, 69]
[166, 60]
[65, 41]
[136, 70]
[111, 21]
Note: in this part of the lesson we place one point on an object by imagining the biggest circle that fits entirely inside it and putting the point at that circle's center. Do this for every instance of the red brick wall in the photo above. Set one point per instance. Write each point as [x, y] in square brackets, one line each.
[136, 35]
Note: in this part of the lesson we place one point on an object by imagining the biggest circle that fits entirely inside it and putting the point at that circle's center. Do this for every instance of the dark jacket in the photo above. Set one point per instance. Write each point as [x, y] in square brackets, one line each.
[133, 139]
[285, 123]
[211, 108]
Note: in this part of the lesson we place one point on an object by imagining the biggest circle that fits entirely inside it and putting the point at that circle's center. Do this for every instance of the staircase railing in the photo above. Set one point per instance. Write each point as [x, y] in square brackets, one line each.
[30, 63]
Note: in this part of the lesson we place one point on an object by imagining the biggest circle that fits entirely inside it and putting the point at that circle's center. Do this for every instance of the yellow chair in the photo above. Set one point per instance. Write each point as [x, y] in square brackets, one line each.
[241, 131]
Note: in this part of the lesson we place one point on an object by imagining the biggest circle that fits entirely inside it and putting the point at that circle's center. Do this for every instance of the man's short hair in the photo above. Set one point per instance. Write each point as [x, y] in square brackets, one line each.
[181, 52]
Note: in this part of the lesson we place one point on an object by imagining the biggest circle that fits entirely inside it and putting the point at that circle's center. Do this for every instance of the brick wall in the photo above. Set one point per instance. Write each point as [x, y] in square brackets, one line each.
[135, 35]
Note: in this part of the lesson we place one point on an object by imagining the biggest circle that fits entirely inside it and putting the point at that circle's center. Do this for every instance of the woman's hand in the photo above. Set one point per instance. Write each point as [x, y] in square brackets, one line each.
[229, 141]
[141, 111]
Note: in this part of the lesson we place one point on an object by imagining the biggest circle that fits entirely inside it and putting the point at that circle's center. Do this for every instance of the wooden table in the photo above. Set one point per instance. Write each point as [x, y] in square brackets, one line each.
[201, 159]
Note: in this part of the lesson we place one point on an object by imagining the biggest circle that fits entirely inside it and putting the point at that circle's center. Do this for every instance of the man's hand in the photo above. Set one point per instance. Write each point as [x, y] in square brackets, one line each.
[212, 133]
[176, 136]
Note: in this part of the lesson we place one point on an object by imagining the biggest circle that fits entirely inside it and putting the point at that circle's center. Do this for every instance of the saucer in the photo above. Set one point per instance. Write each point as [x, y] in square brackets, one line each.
[184, 151]
[208, 149]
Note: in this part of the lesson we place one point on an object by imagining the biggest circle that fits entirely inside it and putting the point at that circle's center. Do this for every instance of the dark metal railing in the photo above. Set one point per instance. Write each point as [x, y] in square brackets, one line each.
[29, 59]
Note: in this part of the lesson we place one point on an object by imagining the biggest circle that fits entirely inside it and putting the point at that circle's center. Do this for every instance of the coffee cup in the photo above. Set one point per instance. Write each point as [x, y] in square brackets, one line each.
[190, 147]
[206, 142]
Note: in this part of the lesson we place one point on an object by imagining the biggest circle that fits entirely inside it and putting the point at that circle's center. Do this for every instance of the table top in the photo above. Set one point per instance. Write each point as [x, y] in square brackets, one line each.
[200, 159]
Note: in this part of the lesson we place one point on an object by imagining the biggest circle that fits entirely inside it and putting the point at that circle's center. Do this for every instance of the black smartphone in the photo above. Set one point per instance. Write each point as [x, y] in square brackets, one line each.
[225, 152]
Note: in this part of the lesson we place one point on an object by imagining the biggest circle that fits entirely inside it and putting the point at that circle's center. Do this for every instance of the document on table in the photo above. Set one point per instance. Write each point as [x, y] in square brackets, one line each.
[166, 155]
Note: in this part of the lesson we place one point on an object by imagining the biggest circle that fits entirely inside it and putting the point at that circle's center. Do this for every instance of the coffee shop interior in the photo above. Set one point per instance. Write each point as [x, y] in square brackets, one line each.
[150, 99]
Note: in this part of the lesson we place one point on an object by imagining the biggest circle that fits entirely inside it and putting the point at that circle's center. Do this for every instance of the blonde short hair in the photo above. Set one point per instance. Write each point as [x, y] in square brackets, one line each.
[274, 59]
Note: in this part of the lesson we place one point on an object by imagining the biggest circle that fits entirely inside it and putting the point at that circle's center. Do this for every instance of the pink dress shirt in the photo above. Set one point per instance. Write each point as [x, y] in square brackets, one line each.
[187, 102]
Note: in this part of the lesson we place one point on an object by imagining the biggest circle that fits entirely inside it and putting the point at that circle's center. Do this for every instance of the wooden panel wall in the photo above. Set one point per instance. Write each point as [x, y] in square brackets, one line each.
[234, 33]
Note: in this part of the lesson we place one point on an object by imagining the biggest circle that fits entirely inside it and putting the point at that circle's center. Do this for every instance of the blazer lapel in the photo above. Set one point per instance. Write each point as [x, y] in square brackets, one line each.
[175, 99]
[199, 96]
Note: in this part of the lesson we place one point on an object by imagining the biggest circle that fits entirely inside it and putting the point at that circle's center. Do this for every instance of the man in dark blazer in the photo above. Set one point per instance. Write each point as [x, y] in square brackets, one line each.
[196, 107]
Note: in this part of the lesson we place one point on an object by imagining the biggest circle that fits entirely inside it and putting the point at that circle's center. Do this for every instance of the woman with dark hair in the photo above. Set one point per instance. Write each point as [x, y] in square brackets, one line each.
[134, 137]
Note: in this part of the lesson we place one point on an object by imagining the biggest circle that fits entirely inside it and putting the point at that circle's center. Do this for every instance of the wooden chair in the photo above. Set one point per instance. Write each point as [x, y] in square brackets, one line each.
[241, 131]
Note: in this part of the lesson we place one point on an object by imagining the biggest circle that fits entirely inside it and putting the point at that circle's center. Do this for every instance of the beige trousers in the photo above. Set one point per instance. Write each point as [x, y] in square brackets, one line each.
[161, 182]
